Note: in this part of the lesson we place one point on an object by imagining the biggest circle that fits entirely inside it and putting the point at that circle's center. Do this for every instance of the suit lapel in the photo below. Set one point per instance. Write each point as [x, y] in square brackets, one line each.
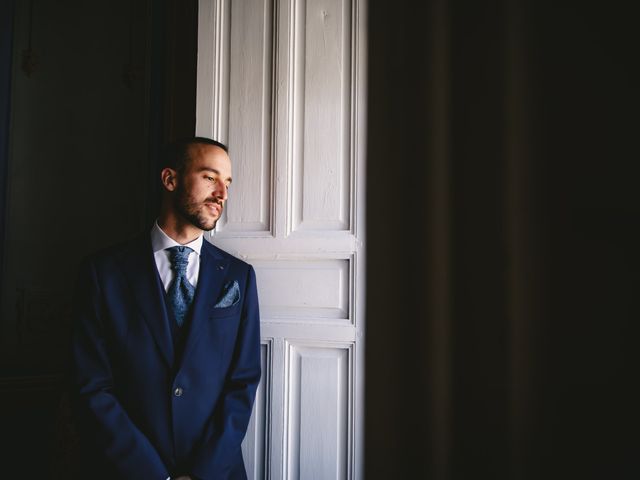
[141, 272]
[213, 271]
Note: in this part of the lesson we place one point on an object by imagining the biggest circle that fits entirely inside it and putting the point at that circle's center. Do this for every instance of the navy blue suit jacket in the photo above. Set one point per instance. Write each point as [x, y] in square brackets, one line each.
[149, 414]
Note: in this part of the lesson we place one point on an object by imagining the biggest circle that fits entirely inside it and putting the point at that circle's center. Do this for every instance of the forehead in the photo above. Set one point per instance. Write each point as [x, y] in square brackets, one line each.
[209, 156]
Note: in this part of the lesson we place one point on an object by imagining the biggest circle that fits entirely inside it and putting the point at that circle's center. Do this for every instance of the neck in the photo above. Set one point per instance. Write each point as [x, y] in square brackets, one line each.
[177, 228]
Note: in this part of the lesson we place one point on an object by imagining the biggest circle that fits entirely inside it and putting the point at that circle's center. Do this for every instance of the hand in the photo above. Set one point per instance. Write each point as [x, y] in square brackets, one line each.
[183, 477]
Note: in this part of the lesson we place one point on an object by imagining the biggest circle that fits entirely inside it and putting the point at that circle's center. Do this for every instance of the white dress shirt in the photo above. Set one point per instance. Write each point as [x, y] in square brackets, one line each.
[160, 241]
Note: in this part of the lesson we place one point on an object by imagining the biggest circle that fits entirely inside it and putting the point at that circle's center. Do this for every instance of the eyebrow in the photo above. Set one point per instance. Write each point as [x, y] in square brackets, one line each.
[209, 169]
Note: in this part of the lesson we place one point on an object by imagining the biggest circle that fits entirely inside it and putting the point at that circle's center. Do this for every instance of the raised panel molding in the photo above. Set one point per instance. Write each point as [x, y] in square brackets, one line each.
[318, 410]
[322, 37]
[255, 447]
[235, 105]
[250, 117]
[305, 289]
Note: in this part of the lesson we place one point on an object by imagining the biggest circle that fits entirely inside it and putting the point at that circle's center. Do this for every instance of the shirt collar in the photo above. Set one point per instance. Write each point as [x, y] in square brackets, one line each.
[162, 241]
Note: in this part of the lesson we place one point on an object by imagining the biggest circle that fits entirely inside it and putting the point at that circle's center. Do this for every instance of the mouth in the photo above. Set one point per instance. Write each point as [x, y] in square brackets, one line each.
[213, 207]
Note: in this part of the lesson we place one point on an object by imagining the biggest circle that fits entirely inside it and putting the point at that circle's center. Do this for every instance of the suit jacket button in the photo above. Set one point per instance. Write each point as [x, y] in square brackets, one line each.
[177, 392]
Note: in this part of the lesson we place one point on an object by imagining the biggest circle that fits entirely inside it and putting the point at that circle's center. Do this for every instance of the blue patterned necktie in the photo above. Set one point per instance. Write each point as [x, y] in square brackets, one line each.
[180, 292]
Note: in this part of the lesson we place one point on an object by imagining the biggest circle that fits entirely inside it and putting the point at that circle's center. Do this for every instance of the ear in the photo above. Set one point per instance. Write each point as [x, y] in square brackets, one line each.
[169, 178]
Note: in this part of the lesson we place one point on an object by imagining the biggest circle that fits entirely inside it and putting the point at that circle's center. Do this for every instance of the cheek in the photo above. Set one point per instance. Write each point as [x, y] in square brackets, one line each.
[196, 192]
[203, 191]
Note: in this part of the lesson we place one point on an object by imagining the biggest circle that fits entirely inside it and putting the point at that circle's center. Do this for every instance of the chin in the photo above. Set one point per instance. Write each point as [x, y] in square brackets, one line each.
[203, 220]
[208, 226]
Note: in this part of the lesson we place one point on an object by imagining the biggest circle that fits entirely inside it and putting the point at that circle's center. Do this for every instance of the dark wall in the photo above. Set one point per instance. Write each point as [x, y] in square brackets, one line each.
[77, 157]
[502, 240]
[76, 181]
[107, 85]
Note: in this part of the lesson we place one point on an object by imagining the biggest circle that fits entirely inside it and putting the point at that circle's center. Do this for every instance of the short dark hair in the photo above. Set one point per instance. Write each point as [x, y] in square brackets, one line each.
[176, 153]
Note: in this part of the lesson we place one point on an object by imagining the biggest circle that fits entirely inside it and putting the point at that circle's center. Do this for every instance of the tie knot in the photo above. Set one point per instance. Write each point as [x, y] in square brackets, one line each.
[179, 257]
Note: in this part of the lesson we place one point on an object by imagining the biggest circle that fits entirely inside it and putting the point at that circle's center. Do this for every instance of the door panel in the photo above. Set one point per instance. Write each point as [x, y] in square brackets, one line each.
[322, 112]
[318, 410]
[304, 289]
[254, 448]
[281, 82]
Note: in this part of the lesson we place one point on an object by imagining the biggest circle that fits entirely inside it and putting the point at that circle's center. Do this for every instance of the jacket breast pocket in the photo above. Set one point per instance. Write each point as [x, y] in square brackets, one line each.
[225, 311]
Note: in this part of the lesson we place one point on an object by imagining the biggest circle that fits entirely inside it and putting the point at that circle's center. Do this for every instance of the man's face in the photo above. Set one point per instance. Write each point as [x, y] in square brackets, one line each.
[202, 187]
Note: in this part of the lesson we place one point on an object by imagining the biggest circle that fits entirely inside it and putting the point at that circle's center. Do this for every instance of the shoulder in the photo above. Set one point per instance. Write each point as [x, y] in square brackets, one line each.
[223, 255]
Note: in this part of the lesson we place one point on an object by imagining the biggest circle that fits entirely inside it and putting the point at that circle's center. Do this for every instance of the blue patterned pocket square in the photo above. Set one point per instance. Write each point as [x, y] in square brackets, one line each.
[230, 295]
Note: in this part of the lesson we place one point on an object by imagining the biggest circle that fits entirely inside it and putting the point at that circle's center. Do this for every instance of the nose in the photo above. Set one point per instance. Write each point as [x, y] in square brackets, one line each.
[220, 190]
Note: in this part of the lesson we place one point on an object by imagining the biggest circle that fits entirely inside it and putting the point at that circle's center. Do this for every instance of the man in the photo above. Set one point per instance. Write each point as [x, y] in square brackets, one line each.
[166, 346]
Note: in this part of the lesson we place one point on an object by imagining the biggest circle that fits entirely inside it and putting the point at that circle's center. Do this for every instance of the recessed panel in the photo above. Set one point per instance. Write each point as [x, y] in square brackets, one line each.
[255, 444]
[318, 412]
[250, 116]
[322, 158]
[298, 289]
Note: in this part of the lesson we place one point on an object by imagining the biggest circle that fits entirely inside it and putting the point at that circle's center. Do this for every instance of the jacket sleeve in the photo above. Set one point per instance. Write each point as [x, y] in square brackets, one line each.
[228, 425]
[102, 417]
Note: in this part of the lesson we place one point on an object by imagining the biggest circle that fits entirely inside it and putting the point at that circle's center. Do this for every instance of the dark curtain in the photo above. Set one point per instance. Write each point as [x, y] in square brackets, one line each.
[6, 51]
[502, 240]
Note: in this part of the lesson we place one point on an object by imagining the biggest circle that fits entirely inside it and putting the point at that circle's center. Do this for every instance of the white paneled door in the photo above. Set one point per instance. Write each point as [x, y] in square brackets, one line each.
[282, 83]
